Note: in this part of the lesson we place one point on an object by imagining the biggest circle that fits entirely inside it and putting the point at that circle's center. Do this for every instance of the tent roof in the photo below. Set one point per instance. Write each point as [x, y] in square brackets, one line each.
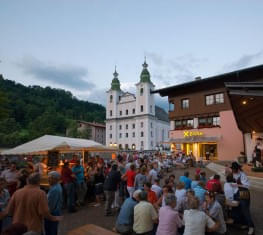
[51, 142]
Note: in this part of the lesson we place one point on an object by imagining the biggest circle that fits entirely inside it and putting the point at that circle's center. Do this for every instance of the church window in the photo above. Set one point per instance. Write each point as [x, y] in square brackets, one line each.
[111, 98]
[110, 136]
[141, 133]
[141, 124]
[127, 135]
[141, 108]
[120, 113]
[127, 112]
[133, 126]
[133, 111]
[141, 91]
[110, 127]
[127, 126]
[110, 112]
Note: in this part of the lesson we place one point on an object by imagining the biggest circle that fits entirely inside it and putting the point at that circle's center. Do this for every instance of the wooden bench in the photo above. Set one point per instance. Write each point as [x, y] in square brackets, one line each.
[90, 229]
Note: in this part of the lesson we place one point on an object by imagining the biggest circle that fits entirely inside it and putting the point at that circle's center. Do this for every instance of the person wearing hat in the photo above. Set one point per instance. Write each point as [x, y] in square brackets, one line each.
[55, 201]
[243, 196]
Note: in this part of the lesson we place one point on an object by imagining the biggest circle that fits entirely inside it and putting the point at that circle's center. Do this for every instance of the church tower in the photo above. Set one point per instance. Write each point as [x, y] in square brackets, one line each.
[113, 97]
[144, 99]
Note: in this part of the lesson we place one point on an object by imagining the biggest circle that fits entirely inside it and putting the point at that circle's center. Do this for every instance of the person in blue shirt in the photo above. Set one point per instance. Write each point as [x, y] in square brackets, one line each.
[195, 182]
[185, 179]
[200, 192]
[124, 221]
[55, 201]
[78, 170]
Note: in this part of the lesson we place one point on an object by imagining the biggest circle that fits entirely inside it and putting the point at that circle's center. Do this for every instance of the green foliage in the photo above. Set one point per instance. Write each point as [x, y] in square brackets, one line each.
[29, 112]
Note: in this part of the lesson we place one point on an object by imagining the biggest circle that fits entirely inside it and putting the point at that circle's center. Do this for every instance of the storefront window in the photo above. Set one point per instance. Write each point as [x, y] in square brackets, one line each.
[190, 122]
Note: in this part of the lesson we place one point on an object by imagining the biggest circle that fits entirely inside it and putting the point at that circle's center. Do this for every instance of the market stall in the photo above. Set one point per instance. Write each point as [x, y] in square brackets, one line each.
[54, 150]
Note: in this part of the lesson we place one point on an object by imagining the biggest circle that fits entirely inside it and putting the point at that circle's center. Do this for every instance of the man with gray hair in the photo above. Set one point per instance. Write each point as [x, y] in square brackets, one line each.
[29, 205]
[169, 220]
[144, 216]
[124, 221]
[55, 201]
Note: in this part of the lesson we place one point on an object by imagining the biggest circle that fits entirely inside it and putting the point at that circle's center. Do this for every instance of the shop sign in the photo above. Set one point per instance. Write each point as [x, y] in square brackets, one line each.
[192, 133]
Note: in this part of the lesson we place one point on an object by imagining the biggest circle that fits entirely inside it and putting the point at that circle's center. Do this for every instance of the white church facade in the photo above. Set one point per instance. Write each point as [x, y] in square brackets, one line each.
[133, 121]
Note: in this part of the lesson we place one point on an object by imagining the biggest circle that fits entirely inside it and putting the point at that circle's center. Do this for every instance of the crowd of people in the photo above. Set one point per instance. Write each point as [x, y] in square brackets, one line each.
[139, 189]
[183, 206]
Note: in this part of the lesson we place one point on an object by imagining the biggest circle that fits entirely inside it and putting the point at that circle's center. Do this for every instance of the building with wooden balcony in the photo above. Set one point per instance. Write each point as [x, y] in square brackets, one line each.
[201, 116]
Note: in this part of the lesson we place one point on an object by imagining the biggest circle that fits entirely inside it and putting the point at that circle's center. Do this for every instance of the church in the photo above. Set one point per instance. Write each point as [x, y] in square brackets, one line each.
[133, 121]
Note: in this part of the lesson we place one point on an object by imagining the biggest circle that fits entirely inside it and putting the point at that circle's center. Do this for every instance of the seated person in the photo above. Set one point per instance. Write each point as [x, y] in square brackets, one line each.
[124, 221]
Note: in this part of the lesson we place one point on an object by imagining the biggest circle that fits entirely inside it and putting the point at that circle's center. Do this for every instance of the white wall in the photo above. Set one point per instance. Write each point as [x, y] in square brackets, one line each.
[250, 143]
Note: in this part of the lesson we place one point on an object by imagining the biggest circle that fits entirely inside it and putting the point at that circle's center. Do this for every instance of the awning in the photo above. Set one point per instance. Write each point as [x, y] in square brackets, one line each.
[47, 143]
[247, 103]
[195, 139]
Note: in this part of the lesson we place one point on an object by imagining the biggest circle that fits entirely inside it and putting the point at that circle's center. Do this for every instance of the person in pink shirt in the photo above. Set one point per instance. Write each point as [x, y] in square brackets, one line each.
[169, 220]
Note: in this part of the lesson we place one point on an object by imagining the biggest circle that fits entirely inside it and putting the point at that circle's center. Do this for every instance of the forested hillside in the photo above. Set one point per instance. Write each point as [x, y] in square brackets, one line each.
[30, 112]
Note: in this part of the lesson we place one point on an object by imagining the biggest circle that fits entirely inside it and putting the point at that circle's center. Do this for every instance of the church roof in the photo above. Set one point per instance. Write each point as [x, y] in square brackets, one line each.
[115, 84]
[145, 75]
[161, 114]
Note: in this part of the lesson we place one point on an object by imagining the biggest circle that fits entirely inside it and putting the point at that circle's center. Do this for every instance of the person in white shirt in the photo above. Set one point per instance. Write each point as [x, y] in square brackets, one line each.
[156, 188]
[180, 194]
[230, 188]
[244, 202]
[197, 221]
[11, 176]
[153, 174]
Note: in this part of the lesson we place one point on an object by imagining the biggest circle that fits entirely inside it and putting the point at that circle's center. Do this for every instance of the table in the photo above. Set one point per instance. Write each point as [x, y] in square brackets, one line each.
[90, 229]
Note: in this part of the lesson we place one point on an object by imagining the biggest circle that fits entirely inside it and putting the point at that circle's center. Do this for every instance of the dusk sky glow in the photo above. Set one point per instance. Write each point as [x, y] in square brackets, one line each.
[75, 44]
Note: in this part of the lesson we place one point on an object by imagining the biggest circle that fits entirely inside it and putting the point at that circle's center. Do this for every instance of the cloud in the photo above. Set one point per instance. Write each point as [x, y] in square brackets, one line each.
[156, 59]
[161, 102]
[95, 95]
[167, 71]
[243, 61]
[66, 75]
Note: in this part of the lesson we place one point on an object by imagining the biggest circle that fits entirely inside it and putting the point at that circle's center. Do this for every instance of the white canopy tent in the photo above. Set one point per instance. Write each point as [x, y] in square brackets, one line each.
[55, 143]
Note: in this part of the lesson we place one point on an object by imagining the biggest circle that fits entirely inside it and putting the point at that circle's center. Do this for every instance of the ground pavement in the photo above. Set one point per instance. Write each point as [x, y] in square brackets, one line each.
[95, 215]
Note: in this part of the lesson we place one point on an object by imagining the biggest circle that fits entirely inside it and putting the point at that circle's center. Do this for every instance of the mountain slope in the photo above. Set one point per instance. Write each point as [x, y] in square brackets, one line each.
[30, 112]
